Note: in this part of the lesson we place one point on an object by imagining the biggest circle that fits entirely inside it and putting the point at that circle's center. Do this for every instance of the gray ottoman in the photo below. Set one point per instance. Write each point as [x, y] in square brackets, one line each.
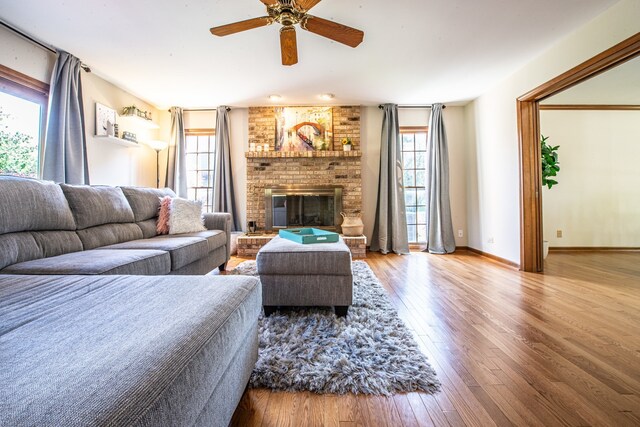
[293, 274]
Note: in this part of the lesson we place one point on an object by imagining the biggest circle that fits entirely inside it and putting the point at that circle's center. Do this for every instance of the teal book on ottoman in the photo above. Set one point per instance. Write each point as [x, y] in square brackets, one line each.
[308, 235]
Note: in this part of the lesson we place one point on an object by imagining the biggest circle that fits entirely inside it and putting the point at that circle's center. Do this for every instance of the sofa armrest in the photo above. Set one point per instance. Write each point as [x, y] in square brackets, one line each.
[220, 221]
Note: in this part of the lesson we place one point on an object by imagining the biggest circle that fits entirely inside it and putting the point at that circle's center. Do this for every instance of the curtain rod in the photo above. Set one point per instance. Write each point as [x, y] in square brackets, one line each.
[201, 109]
[38, 42]
[406, 107]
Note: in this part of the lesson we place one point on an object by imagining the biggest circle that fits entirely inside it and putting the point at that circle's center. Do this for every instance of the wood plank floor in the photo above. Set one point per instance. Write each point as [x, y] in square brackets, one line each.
[510, 348]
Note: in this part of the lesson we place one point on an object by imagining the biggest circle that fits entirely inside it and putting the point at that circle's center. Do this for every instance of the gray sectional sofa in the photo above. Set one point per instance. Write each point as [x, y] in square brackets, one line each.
[100, 323]
[46, 228]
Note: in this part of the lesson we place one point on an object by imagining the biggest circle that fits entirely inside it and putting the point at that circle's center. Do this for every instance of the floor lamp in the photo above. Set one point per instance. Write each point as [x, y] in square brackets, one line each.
[158, 146]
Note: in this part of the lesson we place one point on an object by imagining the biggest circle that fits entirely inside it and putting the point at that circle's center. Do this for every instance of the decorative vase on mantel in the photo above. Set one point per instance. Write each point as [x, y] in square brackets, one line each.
[352, 225]
[346, 144]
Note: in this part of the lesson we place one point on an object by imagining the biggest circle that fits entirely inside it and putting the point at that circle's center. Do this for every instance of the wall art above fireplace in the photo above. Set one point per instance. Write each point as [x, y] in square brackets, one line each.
[304, 128]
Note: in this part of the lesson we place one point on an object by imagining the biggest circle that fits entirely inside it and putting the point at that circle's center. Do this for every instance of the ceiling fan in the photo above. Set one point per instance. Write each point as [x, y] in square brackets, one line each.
[289, 13]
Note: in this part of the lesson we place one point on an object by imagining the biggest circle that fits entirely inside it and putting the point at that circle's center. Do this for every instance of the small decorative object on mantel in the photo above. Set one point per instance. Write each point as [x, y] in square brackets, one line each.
[129, 136]
[346, 144]
[352, 225]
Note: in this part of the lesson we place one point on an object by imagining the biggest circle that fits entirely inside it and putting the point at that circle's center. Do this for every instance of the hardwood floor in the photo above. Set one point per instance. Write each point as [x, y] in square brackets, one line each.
[510, 348]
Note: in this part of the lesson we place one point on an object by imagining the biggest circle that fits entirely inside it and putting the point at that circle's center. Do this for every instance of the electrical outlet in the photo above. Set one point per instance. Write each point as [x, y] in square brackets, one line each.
[490, 240]
[558, 233]
[460, 233]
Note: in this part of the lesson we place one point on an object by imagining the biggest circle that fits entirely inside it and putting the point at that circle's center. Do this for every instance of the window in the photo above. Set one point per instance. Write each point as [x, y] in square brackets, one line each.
[200, 153]
[23, 103]
[414, 157]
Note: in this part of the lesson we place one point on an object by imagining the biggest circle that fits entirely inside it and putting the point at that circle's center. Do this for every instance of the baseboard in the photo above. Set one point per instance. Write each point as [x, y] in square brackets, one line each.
[594, 249]
[490, 256]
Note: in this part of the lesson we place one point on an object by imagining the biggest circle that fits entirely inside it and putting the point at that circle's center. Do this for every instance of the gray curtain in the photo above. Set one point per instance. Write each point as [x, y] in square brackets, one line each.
[390, 229]
[223, 195]
[176, 177]
[440, 238]
[65, 147]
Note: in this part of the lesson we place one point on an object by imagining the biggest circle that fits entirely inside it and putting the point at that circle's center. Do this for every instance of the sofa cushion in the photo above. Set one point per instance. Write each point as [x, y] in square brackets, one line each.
[121, 350]
[98, 261]
[183, 250]
[54, 243]
[29, 204]
[17, 247]
[215, 238]
[148, 228]
[27, 246]
[108, 234]
[97, 205]
[145, 202]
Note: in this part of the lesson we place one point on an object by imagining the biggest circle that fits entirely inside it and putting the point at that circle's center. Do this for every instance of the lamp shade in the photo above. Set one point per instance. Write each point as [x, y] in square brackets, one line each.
[156, 144]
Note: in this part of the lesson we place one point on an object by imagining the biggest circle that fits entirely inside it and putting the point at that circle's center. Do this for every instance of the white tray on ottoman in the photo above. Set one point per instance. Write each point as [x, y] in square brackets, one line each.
[294, 274]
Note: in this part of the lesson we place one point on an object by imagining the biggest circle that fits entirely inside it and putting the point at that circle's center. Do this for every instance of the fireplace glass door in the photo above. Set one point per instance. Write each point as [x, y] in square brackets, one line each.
[303, 207]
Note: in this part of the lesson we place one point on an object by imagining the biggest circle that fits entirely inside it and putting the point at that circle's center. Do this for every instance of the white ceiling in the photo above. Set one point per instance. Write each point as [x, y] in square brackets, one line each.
[414, 51]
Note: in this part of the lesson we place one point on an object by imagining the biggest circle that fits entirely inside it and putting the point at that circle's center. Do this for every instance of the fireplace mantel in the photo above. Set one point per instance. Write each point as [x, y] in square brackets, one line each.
[302, 154]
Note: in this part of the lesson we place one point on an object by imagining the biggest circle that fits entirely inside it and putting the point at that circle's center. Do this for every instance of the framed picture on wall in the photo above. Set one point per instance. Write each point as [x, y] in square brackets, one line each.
[105, 120]
[304, 128]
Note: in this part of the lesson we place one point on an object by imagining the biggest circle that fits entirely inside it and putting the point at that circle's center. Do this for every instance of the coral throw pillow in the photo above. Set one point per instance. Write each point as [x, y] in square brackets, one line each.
[162, 227]
[185, 217]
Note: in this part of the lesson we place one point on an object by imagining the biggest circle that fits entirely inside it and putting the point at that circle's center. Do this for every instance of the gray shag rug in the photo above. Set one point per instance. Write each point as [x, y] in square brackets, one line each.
[370, 351]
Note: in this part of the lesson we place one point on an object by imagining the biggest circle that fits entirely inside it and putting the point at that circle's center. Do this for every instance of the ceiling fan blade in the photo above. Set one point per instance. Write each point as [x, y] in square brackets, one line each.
[332, 30]
[288, 45]
[305, 5]
[269, 2]
[236, 27]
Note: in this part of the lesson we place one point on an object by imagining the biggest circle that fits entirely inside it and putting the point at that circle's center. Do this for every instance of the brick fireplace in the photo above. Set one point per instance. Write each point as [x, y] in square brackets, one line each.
[333, 167]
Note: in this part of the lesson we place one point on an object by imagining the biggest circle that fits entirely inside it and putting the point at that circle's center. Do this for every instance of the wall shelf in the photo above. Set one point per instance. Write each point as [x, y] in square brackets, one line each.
[298, 154]
[118, 141]
[139, 121]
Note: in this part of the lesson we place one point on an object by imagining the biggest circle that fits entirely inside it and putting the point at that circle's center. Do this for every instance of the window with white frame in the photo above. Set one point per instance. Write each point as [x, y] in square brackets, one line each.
[414, 158]
[200, 155]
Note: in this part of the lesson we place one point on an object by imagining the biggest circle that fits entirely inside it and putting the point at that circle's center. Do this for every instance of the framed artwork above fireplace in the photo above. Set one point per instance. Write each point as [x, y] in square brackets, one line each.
[304, 128]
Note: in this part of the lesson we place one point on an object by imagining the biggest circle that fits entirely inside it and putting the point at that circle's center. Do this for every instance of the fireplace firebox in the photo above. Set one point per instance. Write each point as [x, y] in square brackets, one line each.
[303, 206]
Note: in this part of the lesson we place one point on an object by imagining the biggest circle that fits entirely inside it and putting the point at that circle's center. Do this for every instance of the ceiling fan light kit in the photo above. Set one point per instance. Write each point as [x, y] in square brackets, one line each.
[289, 13]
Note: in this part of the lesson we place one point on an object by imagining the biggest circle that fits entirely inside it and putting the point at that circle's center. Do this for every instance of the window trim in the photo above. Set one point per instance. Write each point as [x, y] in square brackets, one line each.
[209, 132]
[22, 86]
[413, 130]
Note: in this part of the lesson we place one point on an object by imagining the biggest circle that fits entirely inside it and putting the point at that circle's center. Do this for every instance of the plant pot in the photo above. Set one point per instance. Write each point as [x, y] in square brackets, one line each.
[545, 249]
[346, 147]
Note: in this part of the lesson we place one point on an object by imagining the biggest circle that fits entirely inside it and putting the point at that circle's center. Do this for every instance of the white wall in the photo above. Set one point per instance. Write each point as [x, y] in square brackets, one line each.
[493, 198]
[112, 164]
[108, 163]
[23, 56]
[597, 199]
[371, 127]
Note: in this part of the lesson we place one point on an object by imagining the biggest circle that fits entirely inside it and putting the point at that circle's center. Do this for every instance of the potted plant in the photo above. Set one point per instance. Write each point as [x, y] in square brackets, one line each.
[346, 144]
[550, 169]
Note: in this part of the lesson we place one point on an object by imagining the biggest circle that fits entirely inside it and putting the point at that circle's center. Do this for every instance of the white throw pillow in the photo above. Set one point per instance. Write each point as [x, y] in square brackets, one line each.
[185, 217]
